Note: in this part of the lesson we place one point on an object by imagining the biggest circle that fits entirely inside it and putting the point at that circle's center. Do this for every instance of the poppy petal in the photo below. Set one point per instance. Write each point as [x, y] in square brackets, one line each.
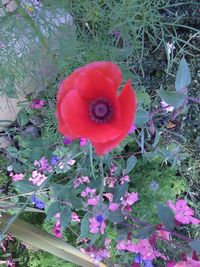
[75, 112]
[128, 107]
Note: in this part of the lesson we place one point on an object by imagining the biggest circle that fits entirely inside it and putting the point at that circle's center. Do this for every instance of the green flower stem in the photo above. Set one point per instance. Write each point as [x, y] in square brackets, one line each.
[102, 180]
[91, 161]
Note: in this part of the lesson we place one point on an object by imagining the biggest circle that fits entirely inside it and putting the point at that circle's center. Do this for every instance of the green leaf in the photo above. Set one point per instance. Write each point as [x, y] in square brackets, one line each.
[145, 232]
[166, 216]
[195, 245]
[23, 117]
[76, 202]
[130, 164]
[36, 154]
[142, 117]
[85, 226]
[116, 216]
[183, 76]
[25, 186]
[172, 98]
[65, 217]
[52, 210]
[119, 191]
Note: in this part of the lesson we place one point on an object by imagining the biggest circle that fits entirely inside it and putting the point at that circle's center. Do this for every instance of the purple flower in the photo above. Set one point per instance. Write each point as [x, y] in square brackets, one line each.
[67, 140]
[54, 160]
[38, 203]
[99, 218]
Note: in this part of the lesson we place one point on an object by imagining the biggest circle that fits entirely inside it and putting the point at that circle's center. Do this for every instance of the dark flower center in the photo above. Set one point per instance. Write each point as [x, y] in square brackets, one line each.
[100, 110]
[99, 218]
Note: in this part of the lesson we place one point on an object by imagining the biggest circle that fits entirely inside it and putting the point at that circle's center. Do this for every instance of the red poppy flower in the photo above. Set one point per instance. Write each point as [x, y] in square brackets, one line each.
[88, 105]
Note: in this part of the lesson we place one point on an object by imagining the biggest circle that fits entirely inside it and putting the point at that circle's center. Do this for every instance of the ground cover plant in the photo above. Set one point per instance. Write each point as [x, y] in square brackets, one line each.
[101, 166]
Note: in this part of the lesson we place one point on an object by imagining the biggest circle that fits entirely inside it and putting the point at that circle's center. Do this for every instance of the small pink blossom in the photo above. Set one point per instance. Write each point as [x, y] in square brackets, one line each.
[17, 177]
[57, 231]
[43, 165]
[189, 263]
[83, 141]
[113, 206]
[81, 180]
[166, 106]
[88, 192]
[96, 226]
[93, 201]
[110, 181]
[75, 217]
[130, 199]
[109, 196]
[124, 179]
[132, 129]
[183, 213]
[143, 247]
[37, 104]
[37, 178]
[71, 162]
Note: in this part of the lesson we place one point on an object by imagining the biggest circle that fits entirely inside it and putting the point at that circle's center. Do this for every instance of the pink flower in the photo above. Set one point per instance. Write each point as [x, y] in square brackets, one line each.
[75, 217]
[17, 177]
[81, 180]
[43, 165]
[129, 199]
[132, 129]
[143, 247]
[124, 179]
[37, 178]
[166, 106]
[189, 263]
[57, 231]
[96, 226]
[88, 192]
[109, 196]
[183, 213]
[113, 206]
[37, 104]
[93, 201]
[71, 162]
[83, 141]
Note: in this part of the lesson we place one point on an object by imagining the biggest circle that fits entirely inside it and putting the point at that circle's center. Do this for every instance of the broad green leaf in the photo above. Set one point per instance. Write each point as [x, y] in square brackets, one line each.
[183, 76]
[145, 232]
[195, 245]
[143, 98]
[119, 191]
[142, 117]
[22, 117]
[85, 226]
[36, 153]
[116, 216]
[25, 186]
[40, 239]
[52, 210]
[130, 164]
[172, 98]
[65, 217]
[166, 216]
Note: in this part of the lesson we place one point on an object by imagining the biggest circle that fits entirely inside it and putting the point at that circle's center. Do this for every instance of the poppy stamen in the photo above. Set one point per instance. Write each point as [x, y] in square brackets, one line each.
[100, 110]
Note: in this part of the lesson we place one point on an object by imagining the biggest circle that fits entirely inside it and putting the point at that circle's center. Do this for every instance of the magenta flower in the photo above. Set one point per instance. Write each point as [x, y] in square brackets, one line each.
[83, 141]
[37, 178]
[57, 231]
[113, 206]
[129, 199]
[97, 225]
[17, 177]
[132, 129]
[166, 106]
[37, 104]
[183, 213]
[75, 217]
[143, 247]
[67, 140]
